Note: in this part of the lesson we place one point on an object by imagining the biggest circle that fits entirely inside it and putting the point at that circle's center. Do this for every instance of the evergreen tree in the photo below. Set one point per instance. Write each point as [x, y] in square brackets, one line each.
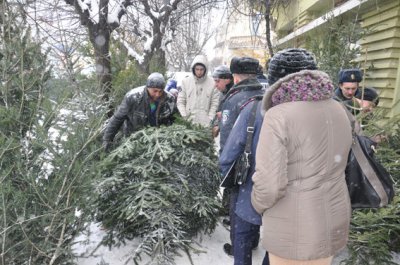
[47, 150]
[160, 184]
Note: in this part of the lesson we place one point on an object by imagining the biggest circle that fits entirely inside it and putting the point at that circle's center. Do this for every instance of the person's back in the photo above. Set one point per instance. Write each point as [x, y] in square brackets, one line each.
[317, 139]
[198, 100]
[244, 70]
[299, 183]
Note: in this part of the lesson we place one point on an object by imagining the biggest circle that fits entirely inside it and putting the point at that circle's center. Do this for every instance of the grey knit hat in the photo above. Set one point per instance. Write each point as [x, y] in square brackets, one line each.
[222, 72]
[290, 61]
[155, 80]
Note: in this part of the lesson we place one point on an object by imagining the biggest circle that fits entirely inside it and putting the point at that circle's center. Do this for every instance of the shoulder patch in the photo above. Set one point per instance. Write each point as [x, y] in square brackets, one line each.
[225, 116]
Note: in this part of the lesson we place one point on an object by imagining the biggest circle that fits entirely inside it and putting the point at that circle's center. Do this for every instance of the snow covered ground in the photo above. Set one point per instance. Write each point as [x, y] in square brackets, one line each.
[212, 245]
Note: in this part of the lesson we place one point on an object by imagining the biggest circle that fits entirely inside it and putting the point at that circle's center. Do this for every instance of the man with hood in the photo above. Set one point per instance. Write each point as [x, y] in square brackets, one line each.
[147, 105]
[198, 100]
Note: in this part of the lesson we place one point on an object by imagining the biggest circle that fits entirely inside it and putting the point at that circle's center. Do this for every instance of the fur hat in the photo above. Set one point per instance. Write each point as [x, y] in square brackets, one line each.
[350, 75]
[222, 72]
[244, 65]
[155, 80]
[290, 61]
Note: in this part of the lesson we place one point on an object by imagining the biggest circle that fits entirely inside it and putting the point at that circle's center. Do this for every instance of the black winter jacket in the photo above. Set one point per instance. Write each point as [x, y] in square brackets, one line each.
[134, 113]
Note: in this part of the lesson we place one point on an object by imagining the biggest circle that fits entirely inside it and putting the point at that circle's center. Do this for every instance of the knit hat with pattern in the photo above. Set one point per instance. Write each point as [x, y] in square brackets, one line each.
[290, 61]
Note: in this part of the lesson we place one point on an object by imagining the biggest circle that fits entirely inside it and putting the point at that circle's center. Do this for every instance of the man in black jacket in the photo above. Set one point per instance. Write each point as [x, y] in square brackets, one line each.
[147, 105]
[223, 80]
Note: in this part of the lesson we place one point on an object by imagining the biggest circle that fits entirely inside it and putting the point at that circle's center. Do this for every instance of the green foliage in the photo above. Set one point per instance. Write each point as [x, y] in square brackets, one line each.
[23, 71]
[126, 75]
[334, 45]
[157, 62]
[160, 184]
[375, 233]
[48, 150]
[126, 79]
[45, 182]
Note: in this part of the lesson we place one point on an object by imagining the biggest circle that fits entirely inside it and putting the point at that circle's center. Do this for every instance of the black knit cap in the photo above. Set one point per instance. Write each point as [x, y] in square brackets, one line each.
[290, 61]
[244, 65]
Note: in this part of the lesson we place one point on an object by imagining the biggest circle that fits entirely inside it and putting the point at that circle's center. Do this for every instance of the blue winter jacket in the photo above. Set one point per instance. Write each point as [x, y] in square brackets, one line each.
[233, 102]
[234, 146]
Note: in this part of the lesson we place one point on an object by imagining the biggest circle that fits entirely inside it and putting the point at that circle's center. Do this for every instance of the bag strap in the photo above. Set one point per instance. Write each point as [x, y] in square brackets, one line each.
[365, 166]
[352, 119]
[369, 172]
[250, 126]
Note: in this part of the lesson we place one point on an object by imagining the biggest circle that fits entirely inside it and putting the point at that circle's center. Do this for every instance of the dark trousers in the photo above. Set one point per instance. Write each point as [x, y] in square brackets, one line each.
[244, 235]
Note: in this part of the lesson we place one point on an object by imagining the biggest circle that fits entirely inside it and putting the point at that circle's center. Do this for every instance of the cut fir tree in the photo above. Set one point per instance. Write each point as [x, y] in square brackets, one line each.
[160, 185]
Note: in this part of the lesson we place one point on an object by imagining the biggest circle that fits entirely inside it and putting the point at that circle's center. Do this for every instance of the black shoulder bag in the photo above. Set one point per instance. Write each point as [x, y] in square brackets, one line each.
[369, 183]
[239, 170]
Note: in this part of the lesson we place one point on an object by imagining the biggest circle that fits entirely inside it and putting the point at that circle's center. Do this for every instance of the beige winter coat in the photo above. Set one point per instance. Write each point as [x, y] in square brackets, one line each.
[299, 182]
[198, 100]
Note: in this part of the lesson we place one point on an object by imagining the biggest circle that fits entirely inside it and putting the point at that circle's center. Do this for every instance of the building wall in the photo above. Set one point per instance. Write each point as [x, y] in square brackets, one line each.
[236, 37]
[381, 53]
[380, 57]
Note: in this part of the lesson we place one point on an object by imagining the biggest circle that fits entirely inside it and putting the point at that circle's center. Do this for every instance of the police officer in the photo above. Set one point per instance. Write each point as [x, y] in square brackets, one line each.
[246, 86]
[350, 93]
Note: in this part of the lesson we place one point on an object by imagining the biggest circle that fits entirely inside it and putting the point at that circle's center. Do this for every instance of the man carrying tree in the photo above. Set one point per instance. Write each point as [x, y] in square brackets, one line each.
[147, 105]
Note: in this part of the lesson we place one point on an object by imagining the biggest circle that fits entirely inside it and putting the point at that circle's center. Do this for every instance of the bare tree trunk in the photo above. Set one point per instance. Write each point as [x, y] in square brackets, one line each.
[100, 39]
[267, 16]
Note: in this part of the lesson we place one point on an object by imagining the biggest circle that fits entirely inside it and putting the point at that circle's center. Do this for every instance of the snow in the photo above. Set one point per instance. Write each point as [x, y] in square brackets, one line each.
[114, 7]
[147, 45]
[211, 245]
[131, 52]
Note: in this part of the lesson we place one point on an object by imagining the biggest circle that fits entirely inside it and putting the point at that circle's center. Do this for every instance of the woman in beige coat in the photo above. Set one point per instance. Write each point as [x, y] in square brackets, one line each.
[299, 182]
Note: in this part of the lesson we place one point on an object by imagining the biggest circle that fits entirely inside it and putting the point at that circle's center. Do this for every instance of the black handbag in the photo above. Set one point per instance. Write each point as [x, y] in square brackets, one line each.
[237, 173]
[370, 184]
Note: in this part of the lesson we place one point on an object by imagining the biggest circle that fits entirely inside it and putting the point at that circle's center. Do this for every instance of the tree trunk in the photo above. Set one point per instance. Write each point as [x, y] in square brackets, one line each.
[268, 27]
[100, 39]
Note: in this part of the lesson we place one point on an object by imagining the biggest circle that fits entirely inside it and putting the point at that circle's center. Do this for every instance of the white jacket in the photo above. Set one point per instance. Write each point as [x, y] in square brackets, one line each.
[198, 100]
